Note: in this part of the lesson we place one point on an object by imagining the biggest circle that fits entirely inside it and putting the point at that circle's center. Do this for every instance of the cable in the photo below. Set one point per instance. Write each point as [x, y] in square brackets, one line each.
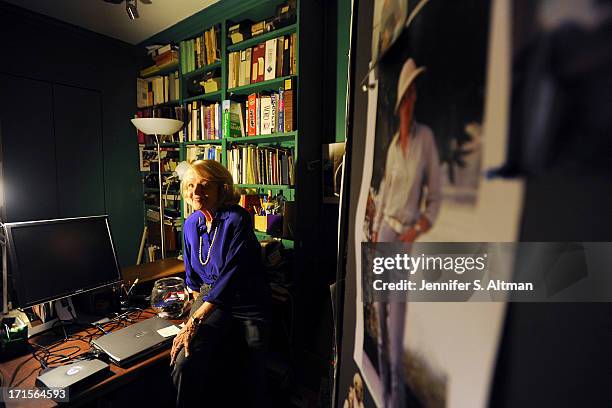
[27, 376]
[51, 355]
[17, 370]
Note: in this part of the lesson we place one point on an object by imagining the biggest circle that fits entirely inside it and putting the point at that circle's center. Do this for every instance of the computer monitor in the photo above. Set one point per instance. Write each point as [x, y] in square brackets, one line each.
[53, 259]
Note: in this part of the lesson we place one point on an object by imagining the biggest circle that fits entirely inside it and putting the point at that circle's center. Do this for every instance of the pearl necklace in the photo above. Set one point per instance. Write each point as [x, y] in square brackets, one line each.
[209, 248]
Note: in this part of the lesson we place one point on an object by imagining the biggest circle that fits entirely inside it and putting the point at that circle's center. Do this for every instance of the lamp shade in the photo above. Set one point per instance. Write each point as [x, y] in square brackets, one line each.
[157, 126]
[181, 169]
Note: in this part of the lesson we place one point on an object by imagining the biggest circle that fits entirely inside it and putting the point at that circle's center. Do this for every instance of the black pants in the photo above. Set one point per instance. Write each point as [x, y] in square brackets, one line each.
[226, 363]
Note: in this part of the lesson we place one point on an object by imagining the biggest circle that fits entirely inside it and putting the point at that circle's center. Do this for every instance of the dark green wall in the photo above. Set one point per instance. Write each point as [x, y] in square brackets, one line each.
[44, 49]
[343, 41]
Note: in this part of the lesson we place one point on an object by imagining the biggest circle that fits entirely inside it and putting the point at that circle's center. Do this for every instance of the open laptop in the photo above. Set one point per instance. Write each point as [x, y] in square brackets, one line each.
[136, 341]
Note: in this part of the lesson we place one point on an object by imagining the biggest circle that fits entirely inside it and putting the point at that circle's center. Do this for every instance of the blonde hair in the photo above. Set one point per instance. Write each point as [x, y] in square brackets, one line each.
[213, 171]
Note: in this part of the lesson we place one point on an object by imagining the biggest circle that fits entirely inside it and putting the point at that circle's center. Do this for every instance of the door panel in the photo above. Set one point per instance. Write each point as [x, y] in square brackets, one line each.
[80, 158]
[28, 150]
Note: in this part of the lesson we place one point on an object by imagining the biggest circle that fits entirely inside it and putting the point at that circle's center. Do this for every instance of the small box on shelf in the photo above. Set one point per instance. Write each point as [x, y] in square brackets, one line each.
[270, 224]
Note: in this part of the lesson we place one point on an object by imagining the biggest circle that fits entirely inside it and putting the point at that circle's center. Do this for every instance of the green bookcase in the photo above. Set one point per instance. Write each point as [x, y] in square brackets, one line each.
[305, 140]
[308, 281]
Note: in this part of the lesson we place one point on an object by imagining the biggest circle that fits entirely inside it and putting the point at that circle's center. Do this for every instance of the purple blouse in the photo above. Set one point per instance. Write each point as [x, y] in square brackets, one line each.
[227, 257]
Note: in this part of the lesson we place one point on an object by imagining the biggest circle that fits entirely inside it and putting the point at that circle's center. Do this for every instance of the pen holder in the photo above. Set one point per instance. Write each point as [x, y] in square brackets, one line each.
[270, 224]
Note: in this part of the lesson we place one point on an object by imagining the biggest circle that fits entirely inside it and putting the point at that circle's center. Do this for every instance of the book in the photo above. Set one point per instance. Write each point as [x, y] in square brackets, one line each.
[258, 56]
[293, 54]
[252, 115]
[287, 56]
[273, 112]
[141, 93]
[243, 68]
[270, 60]
[247, 68]
[258, 28]
[266, 115]
[230, 70]
[281, 110]
[280, 43]
[288, 107]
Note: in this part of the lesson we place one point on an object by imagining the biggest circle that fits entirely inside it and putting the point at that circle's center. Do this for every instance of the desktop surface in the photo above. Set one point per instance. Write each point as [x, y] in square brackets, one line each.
[21, 372]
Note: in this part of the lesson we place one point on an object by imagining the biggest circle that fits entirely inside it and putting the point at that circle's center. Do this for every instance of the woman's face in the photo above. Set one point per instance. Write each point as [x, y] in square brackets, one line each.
[203, 193]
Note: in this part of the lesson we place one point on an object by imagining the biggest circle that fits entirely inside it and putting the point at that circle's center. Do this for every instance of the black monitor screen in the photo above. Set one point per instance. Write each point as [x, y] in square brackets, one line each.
[57, 258]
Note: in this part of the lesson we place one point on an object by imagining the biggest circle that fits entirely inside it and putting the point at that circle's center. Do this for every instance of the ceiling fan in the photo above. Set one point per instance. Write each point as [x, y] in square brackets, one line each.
[131, 6]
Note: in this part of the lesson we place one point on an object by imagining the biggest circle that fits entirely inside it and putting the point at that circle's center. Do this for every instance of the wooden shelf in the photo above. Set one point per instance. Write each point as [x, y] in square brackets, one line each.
[272, 138]
[242, 45]
[266, 186]
[153, 270]
[203, 142]
[162, 145]
[270, 85]
[210, 97]
[163, 70]
[161, 105]
[202, 70]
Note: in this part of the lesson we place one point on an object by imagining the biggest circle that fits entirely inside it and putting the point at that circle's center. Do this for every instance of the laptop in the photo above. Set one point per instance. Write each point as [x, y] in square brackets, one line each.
[134, 342]
[73, 375]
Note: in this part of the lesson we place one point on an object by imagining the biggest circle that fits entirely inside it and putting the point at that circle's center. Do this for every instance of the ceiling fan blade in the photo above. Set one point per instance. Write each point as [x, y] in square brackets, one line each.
[146, 1]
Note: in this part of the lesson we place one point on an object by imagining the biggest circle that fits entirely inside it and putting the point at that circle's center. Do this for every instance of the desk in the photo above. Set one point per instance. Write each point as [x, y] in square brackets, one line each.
[139, 377]
[152, 271]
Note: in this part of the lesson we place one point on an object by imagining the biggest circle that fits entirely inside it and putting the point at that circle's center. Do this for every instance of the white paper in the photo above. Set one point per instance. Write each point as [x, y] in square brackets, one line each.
[169, 331]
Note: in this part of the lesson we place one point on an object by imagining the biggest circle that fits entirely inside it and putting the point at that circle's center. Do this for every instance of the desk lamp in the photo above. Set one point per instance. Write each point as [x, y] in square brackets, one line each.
[159, 127]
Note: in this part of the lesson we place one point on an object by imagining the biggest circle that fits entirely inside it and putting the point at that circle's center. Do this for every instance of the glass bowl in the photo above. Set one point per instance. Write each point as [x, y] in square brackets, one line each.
[169, 297]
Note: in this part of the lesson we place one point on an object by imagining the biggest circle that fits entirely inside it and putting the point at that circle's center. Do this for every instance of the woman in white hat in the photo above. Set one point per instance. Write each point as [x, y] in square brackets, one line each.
[407, 204]
[409, 197]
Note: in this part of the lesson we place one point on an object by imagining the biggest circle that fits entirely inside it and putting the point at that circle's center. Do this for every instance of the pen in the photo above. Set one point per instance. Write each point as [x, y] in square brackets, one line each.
[132, 287]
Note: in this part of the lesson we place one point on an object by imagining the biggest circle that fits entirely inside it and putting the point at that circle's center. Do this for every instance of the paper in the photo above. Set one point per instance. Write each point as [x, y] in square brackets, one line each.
[169, 331]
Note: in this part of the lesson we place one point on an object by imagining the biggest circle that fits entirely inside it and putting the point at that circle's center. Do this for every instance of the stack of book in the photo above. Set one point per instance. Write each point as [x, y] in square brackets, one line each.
[238, 32]
[272, 59]
[164, 56]
[201, 51]
[203, 121]
[261, 165]
[285, 15]
[157, 90]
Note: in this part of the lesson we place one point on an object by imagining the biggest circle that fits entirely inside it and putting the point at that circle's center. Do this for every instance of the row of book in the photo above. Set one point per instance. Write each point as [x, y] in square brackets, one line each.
[200, 51]
[203, 122]
[272, 59]
[170, 112]
[269, 113]
[261, 165]
[203, 152]
[157, 90]
[261, 114]
[164, 56]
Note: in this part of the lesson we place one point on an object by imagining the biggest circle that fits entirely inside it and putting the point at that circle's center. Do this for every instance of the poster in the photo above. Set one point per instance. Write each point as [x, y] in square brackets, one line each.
[437, 95]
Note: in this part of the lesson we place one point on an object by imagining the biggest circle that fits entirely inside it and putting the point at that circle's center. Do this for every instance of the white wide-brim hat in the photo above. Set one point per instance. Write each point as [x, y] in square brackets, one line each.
[408, 74]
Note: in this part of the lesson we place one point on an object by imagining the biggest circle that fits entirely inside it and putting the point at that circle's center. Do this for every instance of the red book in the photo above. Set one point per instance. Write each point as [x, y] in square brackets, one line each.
[252, 115]
[141, 136]
[258, 63]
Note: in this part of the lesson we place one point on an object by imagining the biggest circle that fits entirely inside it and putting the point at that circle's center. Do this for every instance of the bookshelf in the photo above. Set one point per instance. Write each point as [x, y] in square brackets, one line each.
[304, 139]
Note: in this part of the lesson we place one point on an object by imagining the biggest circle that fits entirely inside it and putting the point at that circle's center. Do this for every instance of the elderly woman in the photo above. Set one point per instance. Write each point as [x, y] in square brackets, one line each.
[223, 268]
